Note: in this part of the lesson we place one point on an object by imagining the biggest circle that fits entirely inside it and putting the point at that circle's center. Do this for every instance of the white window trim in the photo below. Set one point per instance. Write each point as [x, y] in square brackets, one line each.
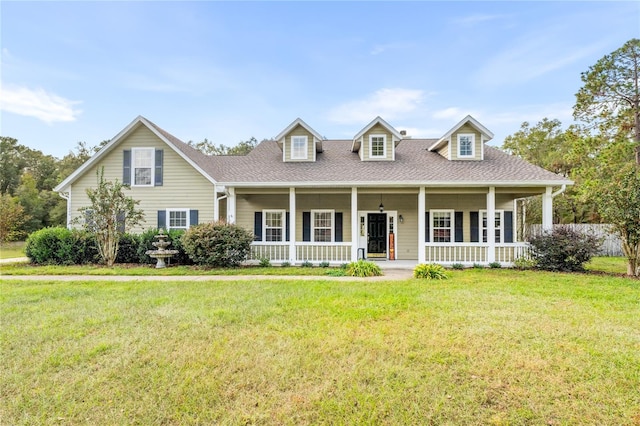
[473, 145]
[452, 229]
[133, 166]
[283, 227]
[483, 213]
[384, 146]
[313, 224]
[167, 224]
[306, 148]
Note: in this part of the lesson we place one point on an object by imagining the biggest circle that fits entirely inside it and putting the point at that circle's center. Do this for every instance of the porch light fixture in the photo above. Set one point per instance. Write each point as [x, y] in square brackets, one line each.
[381, 207]
[401, 219]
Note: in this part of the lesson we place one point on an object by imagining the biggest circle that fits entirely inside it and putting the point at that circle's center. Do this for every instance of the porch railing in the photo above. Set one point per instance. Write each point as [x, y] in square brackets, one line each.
[470, 253]
[311, 252]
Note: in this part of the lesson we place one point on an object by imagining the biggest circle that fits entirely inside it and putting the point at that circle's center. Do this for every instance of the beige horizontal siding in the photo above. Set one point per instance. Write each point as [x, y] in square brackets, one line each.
[183, 187]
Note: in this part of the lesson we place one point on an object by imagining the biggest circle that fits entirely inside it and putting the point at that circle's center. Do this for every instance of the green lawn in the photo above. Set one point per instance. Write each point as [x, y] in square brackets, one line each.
[12, 250]
[485, 347]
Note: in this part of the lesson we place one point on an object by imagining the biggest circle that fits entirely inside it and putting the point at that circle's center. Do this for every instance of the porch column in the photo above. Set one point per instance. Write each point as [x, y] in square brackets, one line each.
[231, 205]
[292, 226]
[422, 258]
[355, 225]
[491, 224]
[216, 203]
[547, 210]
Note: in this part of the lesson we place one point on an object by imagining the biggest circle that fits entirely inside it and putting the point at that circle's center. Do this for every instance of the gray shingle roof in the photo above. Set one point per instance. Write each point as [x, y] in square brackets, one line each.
[338, 165]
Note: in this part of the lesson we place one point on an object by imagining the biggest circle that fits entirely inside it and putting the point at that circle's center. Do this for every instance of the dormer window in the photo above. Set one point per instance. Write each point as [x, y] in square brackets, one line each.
[143, 166]
[299, 148]
[378, 146]
[466, 145]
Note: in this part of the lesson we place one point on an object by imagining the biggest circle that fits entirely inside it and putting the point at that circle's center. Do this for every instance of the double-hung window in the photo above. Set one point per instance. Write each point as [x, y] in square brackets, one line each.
[143, 165]
[377, 146]
[466, 145]
[178, 219]
[274, 225]
[442, 226]
[497, 224]
[299, 148]
[322, 224]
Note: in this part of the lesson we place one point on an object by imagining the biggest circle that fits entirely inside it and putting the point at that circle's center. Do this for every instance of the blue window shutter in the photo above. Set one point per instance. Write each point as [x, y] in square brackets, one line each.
[120, 222]
[338, 227]
[126, 167]
[508, 227]
[288, 221]
[193, 217]
[306, 226]
[459, 229]
[427, 227]
[162, 219]
[474, 219]
[159, 167]
[257, 226]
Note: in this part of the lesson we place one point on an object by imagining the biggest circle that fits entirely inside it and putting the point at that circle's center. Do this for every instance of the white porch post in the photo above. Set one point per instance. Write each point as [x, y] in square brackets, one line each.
[216, 203]
[421, 226]
[292, 226]
[355, 226]
[491, 224]
[547, 210]
[231, 205]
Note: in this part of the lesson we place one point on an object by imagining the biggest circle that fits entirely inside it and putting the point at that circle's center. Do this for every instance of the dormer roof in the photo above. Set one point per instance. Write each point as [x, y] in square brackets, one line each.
[486, 133]
[355, 146]
[293, 125]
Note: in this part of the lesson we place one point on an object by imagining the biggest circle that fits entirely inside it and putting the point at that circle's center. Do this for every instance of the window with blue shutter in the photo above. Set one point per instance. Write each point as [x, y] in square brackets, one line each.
[338, 227]
[508, 227]
[458, 227]
[474, 220]
[126, 167]
[257, 226]
[162, 219]
[306, 226]
[193, 217]
[159, 167]
[427, 227]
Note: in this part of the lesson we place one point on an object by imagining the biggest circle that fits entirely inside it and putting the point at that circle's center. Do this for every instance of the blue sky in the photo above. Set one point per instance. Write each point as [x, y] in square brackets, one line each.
[82, 71]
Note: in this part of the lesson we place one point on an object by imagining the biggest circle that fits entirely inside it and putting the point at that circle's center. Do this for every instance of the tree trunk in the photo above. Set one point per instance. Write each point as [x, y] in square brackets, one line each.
[633, 258]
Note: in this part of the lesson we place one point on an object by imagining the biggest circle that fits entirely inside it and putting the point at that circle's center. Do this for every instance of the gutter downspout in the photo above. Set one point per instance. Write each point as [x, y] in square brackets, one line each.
[66, 196]
[559, 191]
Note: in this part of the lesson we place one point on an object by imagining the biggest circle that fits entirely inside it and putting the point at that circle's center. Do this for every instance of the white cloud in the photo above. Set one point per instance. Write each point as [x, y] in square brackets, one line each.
[448, 113]
[477, 19]
[386, 103]
[38, 103]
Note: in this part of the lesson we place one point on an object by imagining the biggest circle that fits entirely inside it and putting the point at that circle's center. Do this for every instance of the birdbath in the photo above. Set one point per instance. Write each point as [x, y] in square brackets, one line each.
[161, 253]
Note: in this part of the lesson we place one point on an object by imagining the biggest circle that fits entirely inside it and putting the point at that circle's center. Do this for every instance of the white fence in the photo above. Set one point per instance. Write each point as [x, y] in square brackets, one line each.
[611, 244]
[471, 253]
[305, 252]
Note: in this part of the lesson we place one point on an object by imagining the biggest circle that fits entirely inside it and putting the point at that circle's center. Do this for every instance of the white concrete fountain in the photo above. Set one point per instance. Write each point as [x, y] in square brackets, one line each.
[161, 253]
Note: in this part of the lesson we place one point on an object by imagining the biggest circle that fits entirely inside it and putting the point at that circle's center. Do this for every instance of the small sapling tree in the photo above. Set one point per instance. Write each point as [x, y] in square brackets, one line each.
[109, 215]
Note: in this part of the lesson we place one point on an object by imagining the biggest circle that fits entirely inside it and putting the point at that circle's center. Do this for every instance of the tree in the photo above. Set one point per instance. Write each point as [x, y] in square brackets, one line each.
[12, 218]
[549, 146]
[209, 148]
[109, 215]
[615, 187]
[609, 100]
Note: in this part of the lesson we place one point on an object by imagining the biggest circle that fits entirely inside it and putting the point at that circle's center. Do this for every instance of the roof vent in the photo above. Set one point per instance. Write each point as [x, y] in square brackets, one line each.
[403, 132]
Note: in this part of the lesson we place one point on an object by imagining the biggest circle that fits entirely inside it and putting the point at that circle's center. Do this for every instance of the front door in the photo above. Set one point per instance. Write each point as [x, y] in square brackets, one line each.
[377, 235]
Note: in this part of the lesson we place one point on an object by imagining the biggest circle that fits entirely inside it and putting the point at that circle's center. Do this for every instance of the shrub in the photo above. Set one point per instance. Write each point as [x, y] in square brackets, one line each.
[495, 265]
[324, 264]
[563, 249]
[524, 263]
[363, 268]
[478, 266]
[61, 246]
[285, 264]
[265, 262]
[128, 249]
[337, 272]
[430, 271]
[458, 266]
[217, 244]
[306, 264]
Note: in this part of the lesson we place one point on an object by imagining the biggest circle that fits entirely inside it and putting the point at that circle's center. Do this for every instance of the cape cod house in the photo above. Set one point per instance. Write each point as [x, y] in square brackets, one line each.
[380, 194]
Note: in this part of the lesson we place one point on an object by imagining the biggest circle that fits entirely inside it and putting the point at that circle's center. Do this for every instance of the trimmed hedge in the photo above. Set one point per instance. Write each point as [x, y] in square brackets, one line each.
[563, 249]
[61, 246]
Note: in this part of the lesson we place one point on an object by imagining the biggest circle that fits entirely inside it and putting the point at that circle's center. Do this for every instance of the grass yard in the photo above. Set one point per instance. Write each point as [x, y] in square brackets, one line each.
[485, 347]
[12, 250]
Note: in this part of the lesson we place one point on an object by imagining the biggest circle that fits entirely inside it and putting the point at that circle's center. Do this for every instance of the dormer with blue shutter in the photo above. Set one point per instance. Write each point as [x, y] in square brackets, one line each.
[299, 142]
[142, 166]
[464, 142]
[377, 141]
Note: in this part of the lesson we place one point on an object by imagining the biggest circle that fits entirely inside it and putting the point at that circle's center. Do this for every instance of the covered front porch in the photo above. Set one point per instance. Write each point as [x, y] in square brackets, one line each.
[399, 226]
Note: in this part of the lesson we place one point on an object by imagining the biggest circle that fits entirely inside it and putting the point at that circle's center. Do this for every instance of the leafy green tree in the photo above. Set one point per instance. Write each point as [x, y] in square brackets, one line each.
[29, 197]
[615, 187]
[609, 100]
[209, 148]
[12, 163]
[12, 218]
[109, 215]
